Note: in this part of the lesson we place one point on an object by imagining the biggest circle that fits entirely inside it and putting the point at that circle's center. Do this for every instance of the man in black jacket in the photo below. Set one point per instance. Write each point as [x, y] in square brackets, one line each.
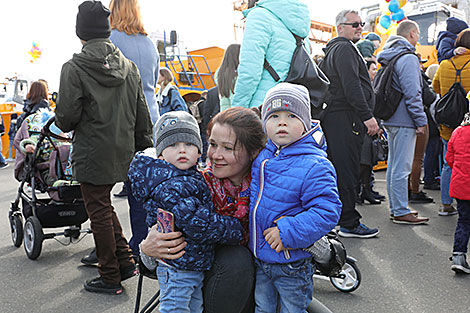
[348, 116]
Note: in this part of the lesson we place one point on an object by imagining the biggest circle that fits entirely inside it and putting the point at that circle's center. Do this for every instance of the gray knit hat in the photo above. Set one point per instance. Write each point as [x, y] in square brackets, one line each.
[176, 126]
[288, 97]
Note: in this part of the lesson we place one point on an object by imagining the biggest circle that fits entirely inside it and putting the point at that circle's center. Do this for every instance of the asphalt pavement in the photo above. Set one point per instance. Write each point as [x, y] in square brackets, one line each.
[405, 269]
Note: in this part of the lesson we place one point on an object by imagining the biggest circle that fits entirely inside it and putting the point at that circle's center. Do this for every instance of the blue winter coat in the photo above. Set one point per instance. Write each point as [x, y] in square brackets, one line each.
[141, 50]
[268, 35]
[171, 101]
[408, 80]
[298, 182]
[446, 39]
[158, 184]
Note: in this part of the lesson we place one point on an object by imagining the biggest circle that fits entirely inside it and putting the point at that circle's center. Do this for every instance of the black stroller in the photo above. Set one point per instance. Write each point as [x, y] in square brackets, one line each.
[46, 206]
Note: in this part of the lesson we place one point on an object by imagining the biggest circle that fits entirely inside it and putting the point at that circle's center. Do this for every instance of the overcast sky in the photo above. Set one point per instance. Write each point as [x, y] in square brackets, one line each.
[51, 24]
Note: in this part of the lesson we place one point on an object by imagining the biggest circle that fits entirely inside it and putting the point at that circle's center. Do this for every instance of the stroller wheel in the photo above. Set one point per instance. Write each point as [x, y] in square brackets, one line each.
[16, 226]
[350, 277]
[33, 237]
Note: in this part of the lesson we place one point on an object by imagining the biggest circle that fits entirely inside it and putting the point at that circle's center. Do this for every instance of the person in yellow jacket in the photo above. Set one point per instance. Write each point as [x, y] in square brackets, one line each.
[443, 80]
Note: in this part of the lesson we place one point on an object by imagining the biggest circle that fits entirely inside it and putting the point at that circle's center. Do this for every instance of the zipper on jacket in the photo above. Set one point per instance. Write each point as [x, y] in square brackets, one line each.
[258, 199]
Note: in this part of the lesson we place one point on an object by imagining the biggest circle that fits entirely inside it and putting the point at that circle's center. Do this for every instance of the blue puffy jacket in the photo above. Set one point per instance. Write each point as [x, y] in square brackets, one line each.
[158, 184]
[298, 182]
[408, 80]
[171, 101]
[268, 34]
[446, 39]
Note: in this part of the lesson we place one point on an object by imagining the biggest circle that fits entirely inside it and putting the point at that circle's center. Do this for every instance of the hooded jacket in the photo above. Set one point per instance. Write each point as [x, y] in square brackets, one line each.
[298, 183]
[406, 79]
[158, 184]
[458, 158]
[446, 39]
[101, 99]
[268, 34]
[350, 88]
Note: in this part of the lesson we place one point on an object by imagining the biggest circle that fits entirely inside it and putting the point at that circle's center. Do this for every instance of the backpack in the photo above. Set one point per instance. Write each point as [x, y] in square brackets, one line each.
[304, 71]
[193, 108]
[451, 108]
[387, 98]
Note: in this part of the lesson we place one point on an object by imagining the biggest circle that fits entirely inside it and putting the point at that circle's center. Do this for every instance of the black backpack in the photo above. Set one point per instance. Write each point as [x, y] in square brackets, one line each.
[451, 108]
[304, 71]
[387, 98]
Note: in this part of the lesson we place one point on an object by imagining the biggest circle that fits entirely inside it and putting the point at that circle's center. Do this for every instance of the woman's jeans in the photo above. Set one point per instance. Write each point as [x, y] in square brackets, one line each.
[180, 290]
[445, 177]
[462, 231]
[228, 285]
[288, 287]
[431, 160]
[401, 145]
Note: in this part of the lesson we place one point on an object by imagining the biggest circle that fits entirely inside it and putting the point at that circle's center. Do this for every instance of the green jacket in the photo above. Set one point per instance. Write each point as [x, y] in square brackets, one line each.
[101, 99]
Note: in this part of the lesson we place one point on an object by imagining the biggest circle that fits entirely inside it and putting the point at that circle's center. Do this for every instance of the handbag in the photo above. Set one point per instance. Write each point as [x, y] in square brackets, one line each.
[451, 108]
[304, 71]
[379, 149]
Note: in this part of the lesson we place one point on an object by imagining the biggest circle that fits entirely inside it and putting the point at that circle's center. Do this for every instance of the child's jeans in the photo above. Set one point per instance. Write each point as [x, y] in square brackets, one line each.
[462, 231]
[283, 287]
[180, 290]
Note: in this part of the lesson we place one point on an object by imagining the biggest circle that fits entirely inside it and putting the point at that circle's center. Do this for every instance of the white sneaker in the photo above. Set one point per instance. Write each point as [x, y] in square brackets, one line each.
[446, 210]
[459, 264]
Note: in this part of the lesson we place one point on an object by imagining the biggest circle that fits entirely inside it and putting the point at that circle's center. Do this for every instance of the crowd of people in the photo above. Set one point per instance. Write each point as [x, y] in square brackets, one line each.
[275, 180]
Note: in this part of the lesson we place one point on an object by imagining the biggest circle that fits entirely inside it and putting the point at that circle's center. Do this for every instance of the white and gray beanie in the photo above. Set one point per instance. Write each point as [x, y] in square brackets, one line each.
[176, 126]
[288, 97]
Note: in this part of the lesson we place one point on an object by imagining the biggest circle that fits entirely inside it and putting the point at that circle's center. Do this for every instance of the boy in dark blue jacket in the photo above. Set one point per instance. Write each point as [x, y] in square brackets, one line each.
[445, 44]
[166, 177]
[294, 200]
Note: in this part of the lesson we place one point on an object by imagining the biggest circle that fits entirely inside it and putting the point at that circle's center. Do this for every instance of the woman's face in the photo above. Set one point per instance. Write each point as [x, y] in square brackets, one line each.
[227, 161]
[372, 71]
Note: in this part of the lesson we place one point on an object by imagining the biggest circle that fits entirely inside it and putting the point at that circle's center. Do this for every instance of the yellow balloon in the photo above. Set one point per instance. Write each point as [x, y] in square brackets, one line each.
[380, 29]
[402, 3]
[384, 8]
[392, 30]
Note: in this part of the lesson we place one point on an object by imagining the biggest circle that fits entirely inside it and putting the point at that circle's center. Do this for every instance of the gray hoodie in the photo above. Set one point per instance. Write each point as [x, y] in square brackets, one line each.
[407, 79]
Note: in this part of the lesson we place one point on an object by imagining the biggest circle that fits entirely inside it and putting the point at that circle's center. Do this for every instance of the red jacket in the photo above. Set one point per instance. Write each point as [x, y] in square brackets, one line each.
[458, 158]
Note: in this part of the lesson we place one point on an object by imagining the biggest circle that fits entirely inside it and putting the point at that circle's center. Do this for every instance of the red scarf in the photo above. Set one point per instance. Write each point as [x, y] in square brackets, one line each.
[230, 200]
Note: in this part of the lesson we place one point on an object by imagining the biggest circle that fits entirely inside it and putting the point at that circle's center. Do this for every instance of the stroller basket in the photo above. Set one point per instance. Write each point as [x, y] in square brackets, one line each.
[56, 214]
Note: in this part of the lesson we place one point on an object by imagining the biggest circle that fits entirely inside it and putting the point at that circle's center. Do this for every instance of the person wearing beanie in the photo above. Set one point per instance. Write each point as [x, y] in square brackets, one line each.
[101, 99]
[368, 46]
[166, 177]
[294, 200]
[445, 43]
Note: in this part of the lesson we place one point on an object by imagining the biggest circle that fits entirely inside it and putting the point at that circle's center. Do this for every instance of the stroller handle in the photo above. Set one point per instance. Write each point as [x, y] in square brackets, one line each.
[47, 132]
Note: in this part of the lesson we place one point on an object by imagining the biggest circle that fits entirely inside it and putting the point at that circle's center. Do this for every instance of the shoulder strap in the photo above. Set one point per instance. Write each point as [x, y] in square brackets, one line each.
[458, 72]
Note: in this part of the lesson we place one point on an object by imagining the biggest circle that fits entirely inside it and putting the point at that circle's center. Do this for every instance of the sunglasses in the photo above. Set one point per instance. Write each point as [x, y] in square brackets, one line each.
[355, 24]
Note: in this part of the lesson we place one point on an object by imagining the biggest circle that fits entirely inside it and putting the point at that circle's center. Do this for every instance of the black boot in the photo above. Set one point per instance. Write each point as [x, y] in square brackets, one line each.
[367, 195]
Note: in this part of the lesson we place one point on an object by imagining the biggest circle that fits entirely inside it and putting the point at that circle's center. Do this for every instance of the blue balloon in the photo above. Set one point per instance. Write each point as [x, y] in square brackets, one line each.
[399, 15]
[385, 21]
[393, 6]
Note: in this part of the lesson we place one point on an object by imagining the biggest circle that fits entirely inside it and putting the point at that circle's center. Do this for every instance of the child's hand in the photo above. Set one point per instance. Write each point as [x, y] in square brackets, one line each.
[272, 237]
[29, 148]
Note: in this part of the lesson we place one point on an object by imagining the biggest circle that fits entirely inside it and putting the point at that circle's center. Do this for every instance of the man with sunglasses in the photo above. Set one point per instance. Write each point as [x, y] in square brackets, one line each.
[348, 116]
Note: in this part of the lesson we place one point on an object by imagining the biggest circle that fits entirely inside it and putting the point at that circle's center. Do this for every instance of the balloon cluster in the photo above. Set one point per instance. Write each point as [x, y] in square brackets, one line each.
[35, 52]
[392, 15]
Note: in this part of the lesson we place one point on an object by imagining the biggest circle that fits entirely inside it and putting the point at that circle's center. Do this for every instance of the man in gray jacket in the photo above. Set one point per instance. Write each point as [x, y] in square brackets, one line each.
[101, 99]
[408, 120]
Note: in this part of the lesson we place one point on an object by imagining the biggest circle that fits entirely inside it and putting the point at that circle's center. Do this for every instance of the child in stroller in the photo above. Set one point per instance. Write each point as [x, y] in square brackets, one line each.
[44, 164]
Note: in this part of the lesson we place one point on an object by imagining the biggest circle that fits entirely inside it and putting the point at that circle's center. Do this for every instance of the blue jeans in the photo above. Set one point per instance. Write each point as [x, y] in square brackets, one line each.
[137, 216]
[431, 160]
[283, 287]
[2, 160]
[445, 177]
[180, 290]
[462, 231]
[401, 145]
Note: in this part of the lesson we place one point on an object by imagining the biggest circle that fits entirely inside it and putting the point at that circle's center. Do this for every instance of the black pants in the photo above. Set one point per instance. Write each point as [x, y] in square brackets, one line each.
[344, 133]
[228, 285]
[462, 231]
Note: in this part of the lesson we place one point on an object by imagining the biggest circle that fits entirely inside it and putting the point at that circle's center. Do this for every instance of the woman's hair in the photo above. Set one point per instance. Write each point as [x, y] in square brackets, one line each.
[431, 71]
[247, 127]
[251, 3]
[167, 76]
[369, 62]
[463, 39]
[37, 92]
[228, 70]
[125, 17]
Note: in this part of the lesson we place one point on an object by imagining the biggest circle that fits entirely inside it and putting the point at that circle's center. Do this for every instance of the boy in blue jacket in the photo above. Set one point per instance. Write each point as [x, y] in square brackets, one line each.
[166, 177]
[294, 200]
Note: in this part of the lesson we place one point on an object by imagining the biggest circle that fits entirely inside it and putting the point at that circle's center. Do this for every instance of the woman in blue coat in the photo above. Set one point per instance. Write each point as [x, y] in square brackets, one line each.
[268, 34]
[168, 97]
